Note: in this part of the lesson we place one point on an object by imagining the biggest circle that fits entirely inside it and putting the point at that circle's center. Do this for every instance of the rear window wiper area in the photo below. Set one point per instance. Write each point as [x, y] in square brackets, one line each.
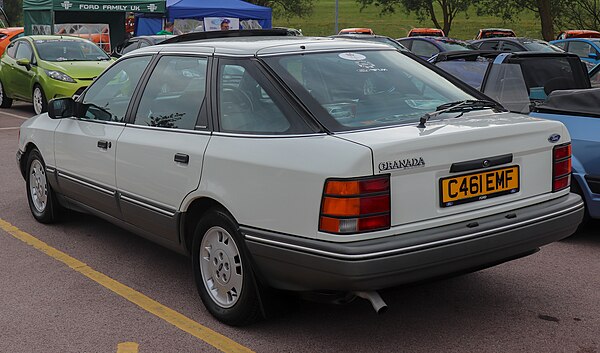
[460, 106]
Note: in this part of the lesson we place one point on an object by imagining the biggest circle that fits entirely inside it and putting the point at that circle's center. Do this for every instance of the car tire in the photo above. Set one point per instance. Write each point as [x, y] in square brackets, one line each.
[38, 97]
[41, 197]
[223, 272]
[5, 102]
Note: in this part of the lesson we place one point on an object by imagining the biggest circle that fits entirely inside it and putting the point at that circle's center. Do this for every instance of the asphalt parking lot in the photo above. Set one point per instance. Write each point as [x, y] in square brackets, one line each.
[85, 285]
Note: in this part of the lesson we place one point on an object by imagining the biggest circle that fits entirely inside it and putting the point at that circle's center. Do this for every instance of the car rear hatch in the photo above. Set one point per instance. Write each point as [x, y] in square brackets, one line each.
[463, 165]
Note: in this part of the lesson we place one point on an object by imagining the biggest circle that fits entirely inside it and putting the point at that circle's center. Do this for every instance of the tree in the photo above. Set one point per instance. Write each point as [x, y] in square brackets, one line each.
[547, 10]
[441, 17]
[287, 8]
[583, 14]
[14, 11]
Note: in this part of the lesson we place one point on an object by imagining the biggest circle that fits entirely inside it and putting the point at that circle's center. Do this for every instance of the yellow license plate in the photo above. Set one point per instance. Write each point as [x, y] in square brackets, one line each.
[478, 186]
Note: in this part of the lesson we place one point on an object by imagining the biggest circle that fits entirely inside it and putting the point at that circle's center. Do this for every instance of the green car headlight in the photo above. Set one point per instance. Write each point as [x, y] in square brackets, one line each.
[61, 76]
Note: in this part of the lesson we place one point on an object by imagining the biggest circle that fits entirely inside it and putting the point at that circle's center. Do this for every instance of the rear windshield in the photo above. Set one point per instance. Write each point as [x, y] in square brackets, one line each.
[539, 46]
[454, 45]
[69, 50]
[364, 89]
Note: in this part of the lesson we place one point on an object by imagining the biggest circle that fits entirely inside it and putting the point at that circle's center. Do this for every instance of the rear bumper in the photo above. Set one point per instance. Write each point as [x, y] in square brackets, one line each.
[293, 263]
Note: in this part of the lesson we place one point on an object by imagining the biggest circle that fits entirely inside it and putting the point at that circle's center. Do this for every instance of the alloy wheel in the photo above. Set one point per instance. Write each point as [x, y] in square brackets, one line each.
[221, 267]
[38, 186]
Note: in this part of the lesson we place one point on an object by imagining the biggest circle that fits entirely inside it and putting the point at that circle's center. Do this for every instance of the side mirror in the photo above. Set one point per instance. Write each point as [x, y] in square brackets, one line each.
[593, 56]
[24, 62]
[61, 108]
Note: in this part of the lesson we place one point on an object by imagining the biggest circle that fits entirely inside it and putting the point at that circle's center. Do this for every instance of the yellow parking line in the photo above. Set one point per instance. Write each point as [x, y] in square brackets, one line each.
[171, 316]
[128, 347]
[9, 128]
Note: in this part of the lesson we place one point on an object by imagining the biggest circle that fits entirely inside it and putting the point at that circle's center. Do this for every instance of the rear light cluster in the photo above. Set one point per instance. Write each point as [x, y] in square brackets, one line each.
[561, 170]
[355, 205]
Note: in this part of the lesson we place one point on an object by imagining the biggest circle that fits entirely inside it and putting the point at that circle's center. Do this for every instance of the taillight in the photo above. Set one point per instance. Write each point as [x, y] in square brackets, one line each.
[355, 205]
[561, 169]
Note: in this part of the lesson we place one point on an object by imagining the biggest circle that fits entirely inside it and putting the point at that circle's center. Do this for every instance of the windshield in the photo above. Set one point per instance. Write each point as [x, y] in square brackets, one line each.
[455, 45]
[364, 89]
[539, 46]
[69, 50]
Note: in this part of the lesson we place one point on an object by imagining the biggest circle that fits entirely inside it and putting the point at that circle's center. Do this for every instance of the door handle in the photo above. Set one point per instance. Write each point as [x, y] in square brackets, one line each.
[104, 144]
[182, 158]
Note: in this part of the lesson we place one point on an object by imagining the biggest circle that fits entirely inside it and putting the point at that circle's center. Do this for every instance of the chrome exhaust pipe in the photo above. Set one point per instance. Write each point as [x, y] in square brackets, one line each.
[375, 299]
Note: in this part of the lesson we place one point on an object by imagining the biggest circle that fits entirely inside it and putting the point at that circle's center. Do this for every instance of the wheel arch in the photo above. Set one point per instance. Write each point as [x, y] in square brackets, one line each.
[195, 211]
[23, 162]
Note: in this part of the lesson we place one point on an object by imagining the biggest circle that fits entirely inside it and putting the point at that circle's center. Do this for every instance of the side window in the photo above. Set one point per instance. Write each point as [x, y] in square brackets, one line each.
[108, 97]
[248, 104]
[24, 51]
[174, 93]
[562, 45]
[130, 46]
[407, 43]
[511, 47]
[582, 49]
[12, 49]
[17, 36]
[423, 48]
[489, 45]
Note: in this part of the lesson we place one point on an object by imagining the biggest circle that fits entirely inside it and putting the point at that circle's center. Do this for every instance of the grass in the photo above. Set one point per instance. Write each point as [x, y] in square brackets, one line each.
[322, 21]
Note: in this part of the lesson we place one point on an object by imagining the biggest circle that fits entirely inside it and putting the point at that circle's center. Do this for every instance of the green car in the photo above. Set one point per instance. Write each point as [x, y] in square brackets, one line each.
[39, 68]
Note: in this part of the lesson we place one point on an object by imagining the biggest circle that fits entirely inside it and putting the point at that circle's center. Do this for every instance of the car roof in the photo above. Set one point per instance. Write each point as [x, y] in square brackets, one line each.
[267, 45]
[356, 30]
[423, 29]
[497, 29]
[473, 54]
[510, 39]
[54, 37]
[577, 39]
[435, 39]
[579, 31]
[12, 29]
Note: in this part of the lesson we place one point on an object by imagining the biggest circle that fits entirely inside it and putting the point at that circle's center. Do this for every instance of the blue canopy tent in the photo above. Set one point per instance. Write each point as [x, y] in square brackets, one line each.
[199, 9]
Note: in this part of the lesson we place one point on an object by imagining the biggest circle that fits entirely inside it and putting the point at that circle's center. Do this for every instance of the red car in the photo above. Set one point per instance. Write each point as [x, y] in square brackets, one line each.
[495, 32]
[578, 33]
[7, 35]
[427, 32]
[356, 31]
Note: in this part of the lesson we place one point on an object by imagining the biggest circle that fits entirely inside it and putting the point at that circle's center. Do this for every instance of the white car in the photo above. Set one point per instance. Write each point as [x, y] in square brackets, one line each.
[303, 164]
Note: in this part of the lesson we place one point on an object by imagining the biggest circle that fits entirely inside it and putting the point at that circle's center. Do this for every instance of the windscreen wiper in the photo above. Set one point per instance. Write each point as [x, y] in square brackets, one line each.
[459, 106]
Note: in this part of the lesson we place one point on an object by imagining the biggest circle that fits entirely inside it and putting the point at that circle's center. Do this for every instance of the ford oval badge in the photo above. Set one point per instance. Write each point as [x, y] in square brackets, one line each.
[554, 138]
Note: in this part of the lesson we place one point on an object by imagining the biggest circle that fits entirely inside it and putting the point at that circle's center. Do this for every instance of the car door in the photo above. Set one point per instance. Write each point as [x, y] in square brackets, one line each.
[7, 69]
[22, 77]
[160, 153]
[85, 145]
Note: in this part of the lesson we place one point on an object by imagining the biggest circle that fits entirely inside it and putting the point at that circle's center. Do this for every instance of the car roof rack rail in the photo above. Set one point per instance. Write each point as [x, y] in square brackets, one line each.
[193, 36]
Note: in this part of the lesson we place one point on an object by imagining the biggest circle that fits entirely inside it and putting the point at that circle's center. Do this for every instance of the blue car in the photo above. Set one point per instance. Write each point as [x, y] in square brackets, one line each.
[426, 47]
[587, 49]
[553, 86]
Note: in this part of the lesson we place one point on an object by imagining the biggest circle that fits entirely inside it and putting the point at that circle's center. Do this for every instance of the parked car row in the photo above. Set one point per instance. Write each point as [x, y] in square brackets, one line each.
[307, 164]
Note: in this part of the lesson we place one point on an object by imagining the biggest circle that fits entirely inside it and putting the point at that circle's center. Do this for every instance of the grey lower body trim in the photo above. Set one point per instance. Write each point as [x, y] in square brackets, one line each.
[152, 236]
[294, 263]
